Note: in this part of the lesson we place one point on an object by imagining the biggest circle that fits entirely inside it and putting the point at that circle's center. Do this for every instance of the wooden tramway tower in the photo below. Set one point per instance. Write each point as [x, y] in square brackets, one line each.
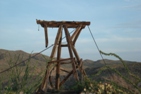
[74, 59]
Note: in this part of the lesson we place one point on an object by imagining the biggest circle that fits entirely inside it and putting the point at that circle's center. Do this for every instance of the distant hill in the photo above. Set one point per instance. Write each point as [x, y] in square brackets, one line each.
[40, 60]
[100, 63]
[10, 57]
[117, 73]
[96, 70]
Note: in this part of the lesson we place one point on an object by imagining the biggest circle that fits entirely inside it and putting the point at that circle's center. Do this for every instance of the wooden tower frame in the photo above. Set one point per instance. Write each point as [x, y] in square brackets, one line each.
[74, 58]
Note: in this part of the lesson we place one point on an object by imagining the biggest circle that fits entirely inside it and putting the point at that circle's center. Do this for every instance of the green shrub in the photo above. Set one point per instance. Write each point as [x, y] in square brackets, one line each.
[20, 78]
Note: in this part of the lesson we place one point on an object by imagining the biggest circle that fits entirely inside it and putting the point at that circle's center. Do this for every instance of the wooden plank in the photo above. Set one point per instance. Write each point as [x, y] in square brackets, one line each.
[64, 45]
[58, 63]
[64, 70]
[46, 35]
[70, 46]
[50, 81]
[50, 76]
[69, 24]
[70, 43]
[45, 80]
[76, 54]
[76, 33]
[66, 62]
[56, 42]
[81, 70]
[65, 79]
[61, 60]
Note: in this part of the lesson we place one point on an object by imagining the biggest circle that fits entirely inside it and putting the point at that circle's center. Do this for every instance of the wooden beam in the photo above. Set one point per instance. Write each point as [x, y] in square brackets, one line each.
[45, 80]
[46, 35]
[66, 62]
[76, 34]
[70, 46]
[64, 70]
[69, 24]
[50, 81]
[64, 45]
[60, 60]
[76, 54]
[58, 36]
[64, 80]
[58, 63]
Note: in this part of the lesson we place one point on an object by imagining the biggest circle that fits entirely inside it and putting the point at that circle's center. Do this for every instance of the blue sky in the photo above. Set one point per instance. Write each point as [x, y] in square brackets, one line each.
[115, 24]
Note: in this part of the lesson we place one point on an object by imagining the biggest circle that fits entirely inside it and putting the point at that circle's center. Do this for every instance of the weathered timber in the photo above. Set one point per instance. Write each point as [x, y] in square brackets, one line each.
[69, 24]
[58, 36]
[70, 51]
[58, 64]
[76, 34]
[54, 65]
[46, 35]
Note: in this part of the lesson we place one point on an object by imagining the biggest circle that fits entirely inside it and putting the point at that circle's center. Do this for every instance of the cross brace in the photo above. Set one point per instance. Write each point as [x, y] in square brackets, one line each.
[56, 60]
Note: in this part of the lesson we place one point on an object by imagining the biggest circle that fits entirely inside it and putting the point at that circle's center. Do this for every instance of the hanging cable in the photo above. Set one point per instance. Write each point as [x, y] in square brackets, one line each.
[100, 53]
[96, 45]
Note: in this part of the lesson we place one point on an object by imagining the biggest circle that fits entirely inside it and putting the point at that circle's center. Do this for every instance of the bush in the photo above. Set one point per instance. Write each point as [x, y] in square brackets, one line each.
[20, 79]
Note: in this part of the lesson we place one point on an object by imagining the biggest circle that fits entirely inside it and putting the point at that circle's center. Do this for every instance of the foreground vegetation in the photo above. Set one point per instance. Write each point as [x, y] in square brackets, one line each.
[26, 79]
[118, 83]
[20, 79]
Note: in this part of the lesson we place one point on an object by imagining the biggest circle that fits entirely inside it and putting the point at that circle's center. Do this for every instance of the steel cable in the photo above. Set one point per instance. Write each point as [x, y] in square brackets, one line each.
[100, 52]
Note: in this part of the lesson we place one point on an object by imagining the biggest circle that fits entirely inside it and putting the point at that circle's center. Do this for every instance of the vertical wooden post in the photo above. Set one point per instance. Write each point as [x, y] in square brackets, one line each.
[58, 63]
[55, 63]
[47, 73]
[70, 45]
[46, 35]
[56, 42]
[54, 50]
[45, 80]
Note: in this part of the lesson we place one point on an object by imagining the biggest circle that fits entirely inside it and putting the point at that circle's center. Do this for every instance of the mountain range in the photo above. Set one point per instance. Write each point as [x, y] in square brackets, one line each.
[110, 70]
[39, 60]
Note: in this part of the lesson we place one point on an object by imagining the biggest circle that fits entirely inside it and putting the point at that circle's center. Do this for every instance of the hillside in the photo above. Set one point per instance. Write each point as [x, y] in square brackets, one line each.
[39, 61]
[96, 70]
[7, 57]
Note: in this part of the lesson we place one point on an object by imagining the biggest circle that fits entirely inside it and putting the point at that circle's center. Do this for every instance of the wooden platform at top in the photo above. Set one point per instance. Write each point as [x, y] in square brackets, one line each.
[69, 24]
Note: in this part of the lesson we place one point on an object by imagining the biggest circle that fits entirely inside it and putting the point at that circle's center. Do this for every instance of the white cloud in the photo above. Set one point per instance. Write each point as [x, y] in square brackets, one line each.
[118, 39]
[137, 7]
[131, 24]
